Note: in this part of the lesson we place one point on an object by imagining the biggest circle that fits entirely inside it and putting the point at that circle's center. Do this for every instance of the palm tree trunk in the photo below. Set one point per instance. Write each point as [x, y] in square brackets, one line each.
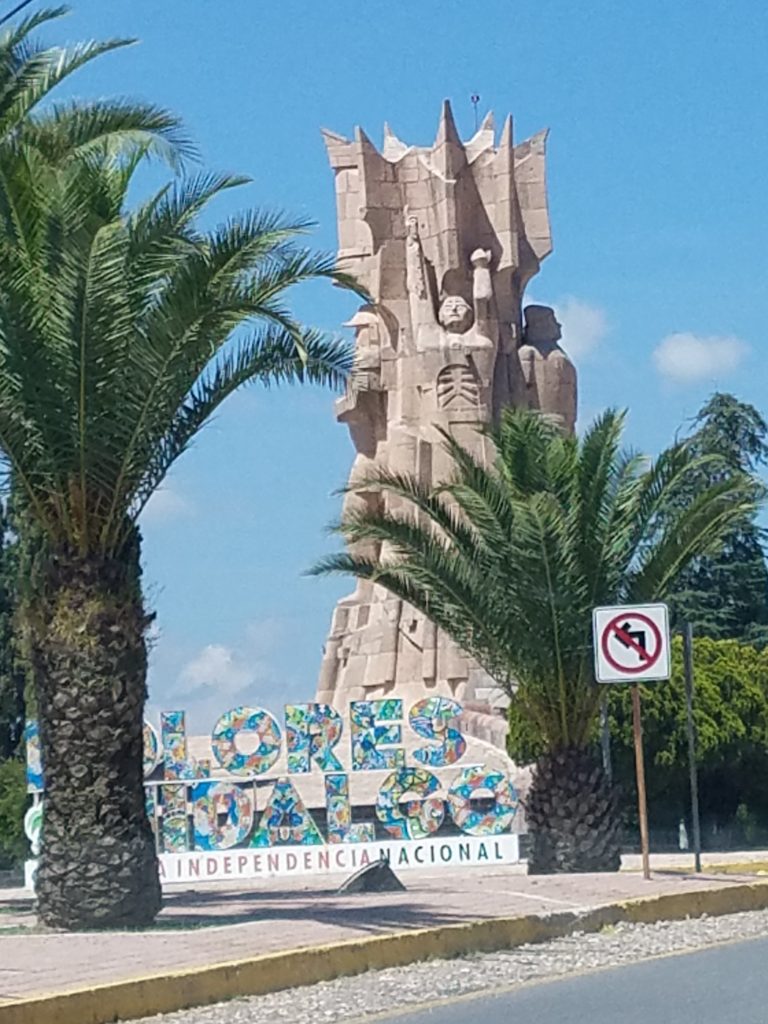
[98, 864]
[572, 815]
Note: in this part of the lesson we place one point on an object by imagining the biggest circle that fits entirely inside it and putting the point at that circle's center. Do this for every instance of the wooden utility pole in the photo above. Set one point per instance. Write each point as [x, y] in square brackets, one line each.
[642, 802]
[605, 737]
[689, 683]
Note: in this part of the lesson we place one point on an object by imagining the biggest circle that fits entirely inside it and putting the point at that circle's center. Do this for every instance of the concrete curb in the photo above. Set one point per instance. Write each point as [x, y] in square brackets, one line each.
[755, 868]
[201, 986]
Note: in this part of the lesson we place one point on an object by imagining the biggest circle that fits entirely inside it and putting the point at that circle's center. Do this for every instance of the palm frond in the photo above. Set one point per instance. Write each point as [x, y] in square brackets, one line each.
[68, 130]
[19, 32]
[510, 556]
[122, 332]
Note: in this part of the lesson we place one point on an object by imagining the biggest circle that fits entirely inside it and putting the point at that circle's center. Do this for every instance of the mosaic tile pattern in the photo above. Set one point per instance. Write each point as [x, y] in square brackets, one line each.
[474, 781]
[151, 806]
[34, 760]
[312, 731]
[210, 815]
[368, 736]
[151, 749]
[415, 818]
[262, 734]
[437, 718]
[176, 762]
[33, 825]
[339, 814]
[285, 820]
[175, 832]
[222, 814]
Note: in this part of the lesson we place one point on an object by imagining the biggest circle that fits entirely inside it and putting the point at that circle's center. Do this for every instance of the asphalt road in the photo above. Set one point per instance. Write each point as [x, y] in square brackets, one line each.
[712, 986]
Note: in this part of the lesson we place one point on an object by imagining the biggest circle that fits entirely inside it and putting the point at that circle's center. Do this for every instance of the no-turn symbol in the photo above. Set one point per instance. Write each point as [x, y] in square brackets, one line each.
[631, 643]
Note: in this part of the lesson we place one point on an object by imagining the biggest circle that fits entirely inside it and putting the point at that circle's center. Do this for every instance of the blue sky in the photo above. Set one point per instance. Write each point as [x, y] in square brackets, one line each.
[657, 160]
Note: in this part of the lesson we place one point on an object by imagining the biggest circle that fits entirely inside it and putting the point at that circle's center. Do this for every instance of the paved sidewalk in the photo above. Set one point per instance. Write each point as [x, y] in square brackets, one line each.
[219, 924]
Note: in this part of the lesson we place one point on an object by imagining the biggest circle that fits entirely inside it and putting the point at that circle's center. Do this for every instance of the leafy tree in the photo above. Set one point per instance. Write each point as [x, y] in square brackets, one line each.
[13, 800]
[510, 560]
[731, 716]
[726, 595]
[121, 333]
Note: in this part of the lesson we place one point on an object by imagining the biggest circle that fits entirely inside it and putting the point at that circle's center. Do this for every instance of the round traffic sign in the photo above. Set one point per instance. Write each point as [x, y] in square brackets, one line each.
[629, 637]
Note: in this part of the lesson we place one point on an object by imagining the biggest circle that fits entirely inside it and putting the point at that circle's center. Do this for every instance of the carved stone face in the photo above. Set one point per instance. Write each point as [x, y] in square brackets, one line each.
[455, 314]
[541, 324]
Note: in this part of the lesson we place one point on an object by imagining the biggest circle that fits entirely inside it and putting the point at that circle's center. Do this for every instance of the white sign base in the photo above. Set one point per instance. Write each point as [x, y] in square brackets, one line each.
[291, 861]
[276, 862]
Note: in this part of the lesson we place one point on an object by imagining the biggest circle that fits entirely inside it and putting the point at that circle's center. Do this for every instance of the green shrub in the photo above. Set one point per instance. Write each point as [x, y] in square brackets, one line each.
[13, 803]
[731, 715]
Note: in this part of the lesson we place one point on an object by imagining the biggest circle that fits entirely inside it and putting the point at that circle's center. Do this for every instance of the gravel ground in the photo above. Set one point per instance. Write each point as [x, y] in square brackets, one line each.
[356, 998]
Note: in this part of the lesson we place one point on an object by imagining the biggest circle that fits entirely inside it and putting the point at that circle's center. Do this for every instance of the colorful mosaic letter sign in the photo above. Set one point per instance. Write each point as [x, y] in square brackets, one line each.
[255, 725]
[192, 810]
[437, 718]
[472, 781]
[369, 736]
[416, 817]
[338, 810]
[312, 731]
[223, 815]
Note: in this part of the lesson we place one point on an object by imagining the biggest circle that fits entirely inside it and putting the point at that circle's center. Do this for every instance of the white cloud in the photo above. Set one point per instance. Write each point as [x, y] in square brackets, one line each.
[685, 357]
[216, 677]
[218, 666]
[164, 506]
[584, 325]
[206, 685]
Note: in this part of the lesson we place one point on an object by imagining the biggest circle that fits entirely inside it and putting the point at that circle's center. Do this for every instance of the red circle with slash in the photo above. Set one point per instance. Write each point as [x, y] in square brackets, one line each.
[617, 627]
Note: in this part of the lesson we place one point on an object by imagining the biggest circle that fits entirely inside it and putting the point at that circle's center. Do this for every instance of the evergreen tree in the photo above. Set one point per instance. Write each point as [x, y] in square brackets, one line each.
[725, 596]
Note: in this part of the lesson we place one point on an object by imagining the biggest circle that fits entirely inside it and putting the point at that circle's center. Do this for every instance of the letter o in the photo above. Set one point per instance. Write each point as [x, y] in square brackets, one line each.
[414, 819]
[473, 821]
[239, 722]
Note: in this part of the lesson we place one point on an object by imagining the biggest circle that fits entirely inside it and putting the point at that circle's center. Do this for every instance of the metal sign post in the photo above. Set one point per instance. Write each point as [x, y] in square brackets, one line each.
[632, 645]
[688, 656]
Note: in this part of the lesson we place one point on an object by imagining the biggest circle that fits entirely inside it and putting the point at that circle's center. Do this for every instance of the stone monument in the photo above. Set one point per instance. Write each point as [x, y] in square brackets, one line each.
[445, 239]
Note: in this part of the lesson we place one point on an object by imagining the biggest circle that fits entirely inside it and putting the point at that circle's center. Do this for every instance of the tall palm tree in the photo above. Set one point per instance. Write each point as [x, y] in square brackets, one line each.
[30, 74]
[121, 333]
[509, 560]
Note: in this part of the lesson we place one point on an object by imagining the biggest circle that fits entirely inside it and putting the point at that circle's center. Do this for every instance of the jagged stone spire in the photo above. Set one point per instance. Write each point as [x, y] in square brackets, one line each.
[444, 237]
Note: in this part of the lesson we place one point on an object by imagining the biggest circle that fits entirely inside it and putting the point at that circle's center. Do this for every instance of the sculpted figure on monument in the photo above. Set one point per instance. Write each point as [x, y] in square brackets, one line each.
[453, 365]
[550, 376]
[363, 409]
[445, 238]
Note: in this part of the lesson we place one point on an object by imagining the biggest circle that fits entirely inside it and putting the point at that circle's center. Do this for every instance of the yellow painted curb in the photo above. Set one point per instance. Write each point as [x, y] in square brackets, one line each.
[743, 867]
[180, 990]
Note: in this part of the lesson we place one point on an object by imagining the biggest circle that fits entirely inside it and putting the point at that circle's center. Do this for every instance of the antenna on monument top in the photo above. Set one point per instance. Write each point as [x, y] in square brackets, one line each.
[475, 99]
[15, 11]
